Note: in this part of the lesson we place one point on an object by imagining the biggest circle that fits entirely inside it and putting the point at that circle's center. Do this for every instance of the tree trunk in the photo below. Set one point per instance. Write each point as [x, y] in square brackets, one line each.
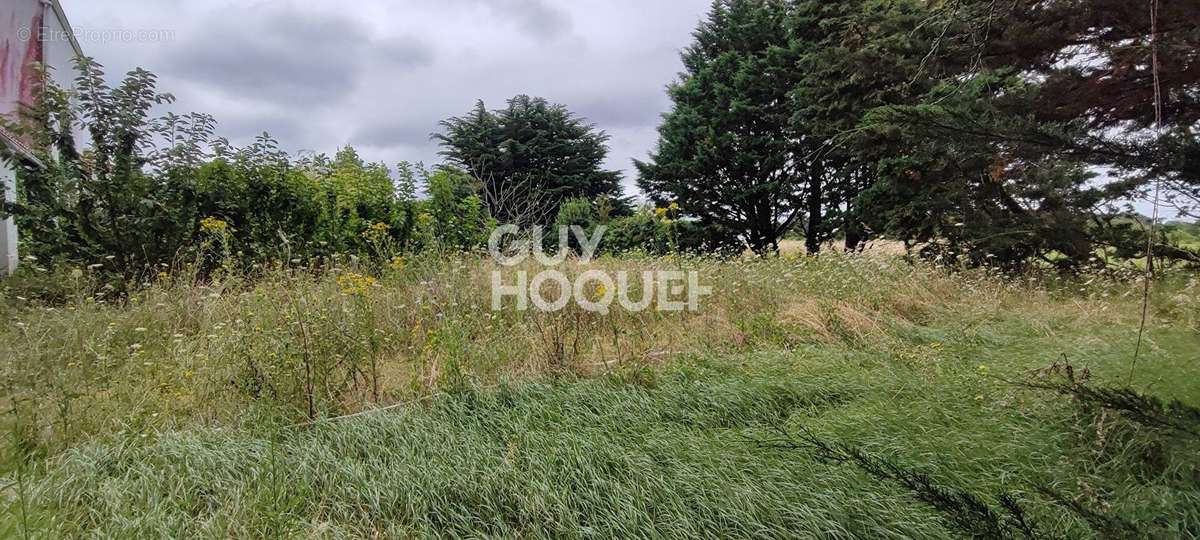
[853, 228]
[854, 236]
[762, 242]
[812, 233]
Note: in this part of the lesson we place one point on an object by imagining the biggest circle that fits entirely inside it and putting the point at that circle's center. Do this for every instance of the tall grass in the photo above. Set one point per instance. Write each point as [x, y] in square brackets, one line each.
[637, 453]
[185, 410]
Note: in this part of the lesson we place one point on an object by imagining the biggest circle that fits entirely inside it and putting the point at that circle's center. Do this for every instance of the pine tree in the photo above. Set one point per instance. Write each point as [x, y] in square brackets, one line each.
[727, 152]
[996, 160]
[529, 157]
[852, 56]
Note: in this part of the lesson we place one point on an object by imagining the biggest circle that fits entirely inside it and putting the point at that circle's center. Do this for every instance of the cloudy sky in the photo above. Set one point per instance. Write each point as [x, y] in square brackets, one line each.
[380, 74]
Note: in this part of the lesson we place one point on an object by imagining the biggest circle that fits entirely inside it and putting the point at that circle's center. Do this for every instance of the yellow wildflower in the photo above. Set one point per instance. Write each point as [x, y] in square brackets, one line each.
[376, 231]
[598, 292]
[355, 284]
[214, 225]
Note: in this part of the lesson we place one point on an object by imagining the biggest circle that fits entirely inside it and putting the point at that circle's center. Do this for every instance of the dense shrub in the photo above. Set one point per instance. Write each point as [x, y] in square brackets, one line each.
[659, 231]
[453, 218]
[150, 194]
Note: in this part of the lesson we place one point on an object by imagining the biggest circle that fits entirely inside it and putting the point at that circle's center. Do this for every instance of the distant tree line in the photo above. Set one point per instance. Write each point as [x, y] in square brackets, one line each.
[975, 131]
[975, 128]
[152, 194]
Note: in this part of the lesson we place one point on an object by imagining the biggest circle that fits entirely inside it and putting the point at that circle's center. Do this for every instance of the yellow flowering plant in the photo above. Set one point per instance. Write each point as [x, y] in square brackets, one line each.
[214, 225]
[353, 284]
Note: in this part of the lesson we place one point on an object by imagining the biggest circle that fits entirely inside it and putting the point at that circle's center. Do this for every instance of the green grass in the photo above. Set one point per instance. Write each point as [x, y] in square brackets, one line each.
[666, 448]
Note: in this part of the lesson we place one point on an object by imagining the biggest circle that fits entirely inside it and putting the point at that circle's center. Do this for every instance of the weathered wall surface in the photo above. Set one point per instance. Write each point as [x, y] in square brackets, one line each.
[8, 229]
[31, 34]
[21, 26]
[58, 51]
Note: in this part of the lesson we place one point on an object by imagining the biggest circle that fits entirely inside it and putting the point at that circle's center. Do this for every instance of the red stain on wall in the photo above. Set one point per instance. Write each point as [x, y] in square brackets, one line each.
[21, 51]
[5, 46]
[31, 79]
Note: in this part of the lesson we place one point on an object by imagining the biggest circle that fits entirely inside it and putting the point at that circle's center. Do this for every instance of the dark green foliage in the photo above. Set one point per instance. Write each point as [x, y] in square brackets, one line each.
[1030, 97]
[974, 129]
[660, 232]
[530, 157]
[649, 230]
[852, 56]
[969, 201]
[100, 207]
[727, 152]
[271, 208]
[149, 193]
[638, 232]
[987, 134]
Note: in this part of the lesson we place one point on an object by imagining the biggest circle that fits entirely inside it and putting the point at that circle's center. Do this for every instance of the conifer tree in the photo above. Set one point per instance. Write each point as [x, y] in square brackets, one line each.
[997, 158]
[727, 152]
[530, 157]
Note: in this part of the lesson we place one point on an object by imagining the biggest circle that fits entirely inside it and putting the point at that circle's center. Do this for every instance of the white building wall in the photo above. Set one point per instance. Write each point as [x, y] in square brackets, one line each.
[20, 25]
[30, 31]
[8, 229]
[59, 50]
[20, 21]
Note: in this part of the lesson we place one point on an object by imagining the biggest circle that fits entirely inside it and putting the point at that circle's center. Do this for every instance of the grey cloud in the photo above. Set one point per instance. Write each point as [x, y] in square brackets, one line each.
[287, 57]
[535, 18]
[379, 74]
[624, 109]
[398, 133]
[406, 52]
[246, 127]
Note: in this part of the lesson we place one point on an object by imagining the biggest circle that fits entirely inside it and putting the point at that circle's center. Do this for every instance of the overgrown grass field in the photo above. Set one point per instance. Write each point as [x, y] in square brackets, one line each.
[232, 408]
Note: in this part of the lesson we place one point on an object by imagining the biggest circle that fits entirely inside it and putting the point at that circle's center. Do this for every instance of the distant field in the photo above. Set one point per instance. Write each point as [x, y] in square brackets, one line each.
[184, 412]
[875, 247]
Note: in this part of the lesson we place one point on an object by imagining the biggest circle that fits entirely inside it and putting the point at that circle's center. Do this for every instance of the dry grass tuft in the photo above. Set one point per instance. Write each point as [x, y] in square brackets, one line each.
[808, 315]
[832, 321]
[852, 322]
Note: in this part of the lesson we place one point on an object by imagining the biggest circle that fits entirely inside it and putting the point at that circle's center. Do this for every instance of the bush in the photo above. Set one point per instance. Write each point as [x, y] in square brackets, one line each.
[658, 231]
[454, 217]
[150, 194]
